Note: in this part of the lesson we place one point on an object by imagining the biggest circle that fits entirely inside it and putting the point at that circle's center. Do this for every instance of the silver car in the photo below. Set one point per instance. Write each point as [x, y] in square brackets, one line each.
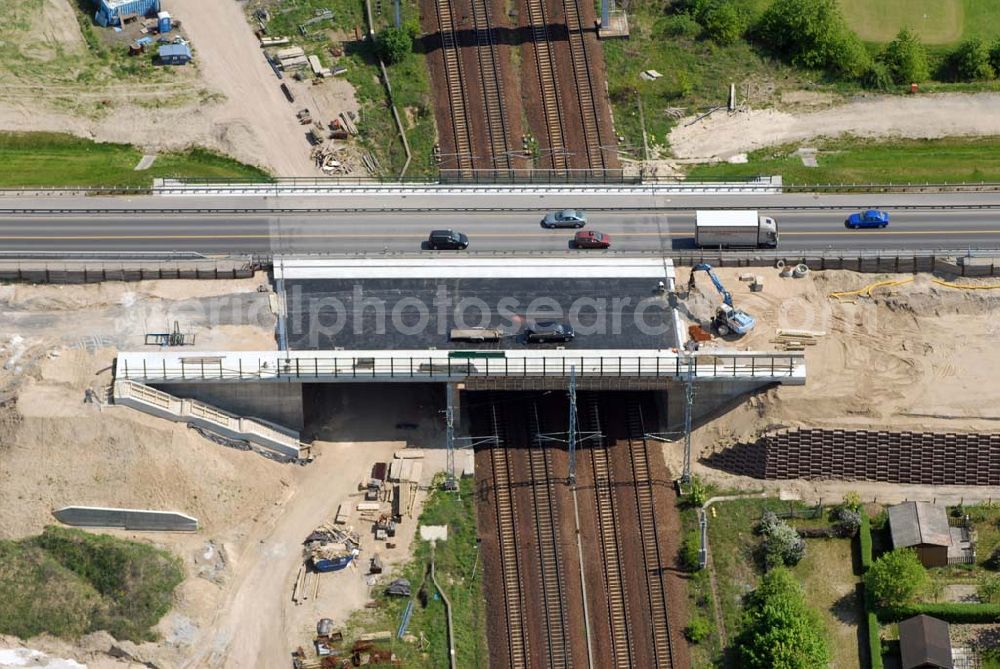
[565, 218]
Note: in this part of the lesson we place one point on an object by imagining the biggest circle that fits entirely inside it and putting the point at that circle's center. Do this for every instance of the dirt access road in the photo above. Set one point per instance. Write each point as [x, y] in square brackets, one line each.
[232, 102]
[723, 135]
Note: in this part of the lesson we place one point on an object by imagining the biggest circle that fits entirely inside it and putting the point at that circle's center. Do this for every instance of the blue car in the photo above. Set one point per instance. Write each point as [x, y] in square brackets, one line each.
[872, 218]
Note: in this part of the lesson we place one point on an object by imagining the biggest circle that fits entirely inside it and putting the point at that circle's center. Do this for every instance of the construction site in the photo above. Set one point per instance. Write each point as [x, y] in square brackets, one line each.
[574, 460]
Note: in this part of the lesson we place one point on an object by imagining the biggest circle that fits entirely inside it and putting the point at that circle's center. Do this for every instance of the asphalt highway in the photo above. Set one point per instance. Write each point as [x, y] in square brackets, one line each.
[488, 232]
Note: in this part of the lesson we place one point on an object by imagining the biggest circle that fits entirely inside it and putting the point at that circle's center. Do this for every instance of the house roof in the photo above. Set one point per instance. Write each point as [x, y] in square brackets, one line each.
[173, 50]
[924, 641]
[918, 524]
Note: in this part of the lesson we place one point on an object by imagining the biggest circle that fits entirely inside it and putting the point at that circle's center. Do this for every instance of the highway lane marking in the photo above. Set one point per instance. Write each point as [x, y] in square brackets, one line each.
[320, 235]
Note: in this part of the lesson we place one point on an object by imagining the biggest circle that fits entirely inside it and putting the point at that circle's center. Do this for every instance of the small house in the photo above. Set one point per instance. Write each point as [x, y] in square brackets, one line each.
[923, 527]
[174, 54]
[924, 643]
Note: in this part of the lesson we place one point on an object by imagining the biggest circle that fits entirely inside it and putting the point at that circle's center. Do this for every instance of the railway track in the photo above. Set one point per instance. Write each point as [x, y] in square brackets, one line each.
[489, 71]
[584, 85]
[456, 89]
[546, 67]
[652, 560]
[614, 579]
[517, 637]
[547, 535]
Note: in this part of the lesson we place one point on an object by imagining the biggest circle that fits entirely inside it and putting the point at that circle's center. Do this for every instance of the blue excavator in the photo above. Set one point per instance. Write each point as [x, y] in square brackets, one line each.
[728, 319]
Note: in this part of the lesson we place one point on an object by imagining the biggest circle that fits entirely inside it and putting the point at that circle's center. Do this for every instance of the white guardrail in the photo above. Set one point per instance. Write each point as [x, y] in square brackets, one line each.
[346, 366]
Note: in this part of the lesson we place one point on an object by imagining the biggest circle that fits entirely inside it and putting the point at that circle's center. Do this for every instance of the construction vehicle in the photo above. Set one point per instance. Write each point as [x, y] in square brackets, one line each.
[734, 229]
[728, 319]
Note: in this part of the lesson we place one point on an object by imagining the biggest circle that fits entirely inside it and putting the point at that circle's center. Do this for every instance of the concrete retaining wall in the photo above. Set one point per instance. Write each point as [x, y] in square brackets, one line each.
[140, 520]
[279, 403]
[927, 458]
[277, 441]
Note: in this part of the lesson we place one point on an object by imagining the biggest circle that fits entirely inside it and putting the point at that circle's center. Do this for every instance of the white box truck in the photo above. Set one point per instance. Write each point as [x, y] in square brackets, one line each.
[734, 229]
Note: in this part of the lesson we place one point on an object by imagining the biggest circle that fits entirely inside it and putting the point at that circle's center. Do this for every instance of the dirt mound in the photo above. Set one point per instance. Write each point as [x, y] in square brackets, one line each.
[724, 135]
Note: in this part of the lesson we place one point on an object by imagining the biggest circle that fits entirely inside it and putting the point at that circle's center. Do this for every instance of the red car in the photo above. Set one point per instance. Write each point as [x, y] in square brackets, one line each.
[591, 239]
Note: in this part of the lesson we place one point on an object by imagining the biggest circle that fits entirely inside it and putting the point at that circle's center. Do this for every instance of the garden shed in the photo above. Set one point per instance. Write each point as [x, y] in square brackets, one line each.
[925, 643]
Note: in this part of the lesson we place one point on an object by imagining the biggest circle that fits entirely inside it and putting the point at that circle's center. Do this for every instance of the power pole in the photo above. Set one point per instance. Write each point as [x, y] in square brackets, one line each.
[688, 410]
[450, 483]
[571, 438]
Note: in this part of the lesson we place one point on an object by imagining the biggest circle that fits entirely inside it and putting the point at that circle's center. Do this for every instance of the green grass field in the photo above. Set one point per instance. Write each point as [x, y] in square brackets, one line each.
[458, 570]
[41, 159]
[866, 161]
[936, 21]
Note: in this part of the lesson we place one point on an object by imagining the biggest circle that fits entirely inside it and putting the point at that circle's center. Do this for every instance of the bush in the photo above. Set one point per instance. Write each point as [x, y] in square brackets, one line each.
[896, 578]
[784, 546]
[989, 589]
[847, 522]
[690, 547]
[877, 78]
[780, 630]
[393, 44]
[852, 501]
[698, 494]
[906, 58]
[813, 33]
[995, 57]
[724, 22]
[971, 61]
[698, 629]
[679, 25]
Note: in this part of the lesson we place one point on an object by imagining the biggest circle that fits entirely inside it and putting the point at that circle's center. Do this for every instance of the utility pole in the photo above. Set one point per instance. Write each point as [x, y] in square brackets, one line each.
[688, 410]
[450, 482]
[571, 438]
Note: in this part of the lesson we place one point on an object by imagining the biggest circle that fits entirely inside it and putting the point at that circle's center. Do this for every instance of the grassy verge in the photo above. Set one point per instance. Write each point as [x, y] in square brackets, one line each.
[458, 571]
[41, 159]
[852, 160]
[696, 73]
[67, 583]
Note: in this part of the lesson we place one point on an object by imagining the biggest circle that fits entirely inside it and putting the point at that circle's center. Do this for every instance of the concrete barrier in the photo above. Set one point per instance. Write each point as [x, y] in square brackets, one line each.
[139, 520]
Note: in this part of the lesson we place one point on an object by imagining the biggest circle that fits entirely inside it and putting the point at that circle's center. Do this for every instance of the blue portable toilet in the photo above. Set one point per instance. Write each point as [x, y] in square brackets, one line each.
[163, 23]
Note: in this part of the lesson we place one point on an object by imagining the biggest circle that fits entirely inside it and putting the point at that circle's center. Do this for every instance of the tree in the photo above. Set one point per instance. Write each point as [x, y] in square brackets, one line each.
[906, 58]
[971, 61]
[392, 44]
[781, 632]
[813, 33]
[782, 544]
[896, 578]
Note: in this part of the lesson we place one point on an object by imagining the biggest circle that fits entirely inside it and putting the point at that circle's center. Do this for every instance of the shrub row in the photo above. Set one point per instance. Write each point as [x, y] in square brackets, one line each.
[874, 641]
[865, 537]
[951, 612]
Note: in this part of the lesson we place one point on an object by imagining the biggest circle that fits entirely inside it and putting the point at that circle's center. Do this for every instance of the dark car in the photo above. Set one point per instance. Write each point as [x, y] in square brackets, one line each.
[447, 240]
[565, 218]
[549, 331]
[591, 239]
[872, 218]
